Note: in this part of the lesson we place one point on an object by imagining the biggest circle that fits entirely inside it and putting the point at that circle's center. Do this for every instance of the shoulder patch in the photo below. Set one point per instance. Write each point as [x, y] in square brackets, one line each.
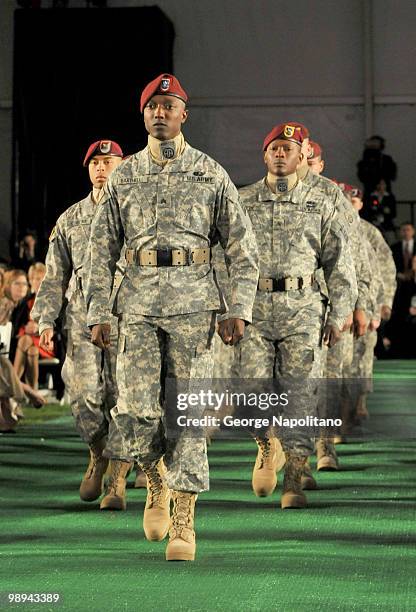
[53, 234]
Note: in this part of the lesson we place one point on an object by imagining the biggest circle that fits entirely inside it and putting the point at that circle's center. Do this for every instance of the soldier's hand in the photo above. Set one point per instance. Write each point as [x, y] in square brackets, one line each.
[331, 335]
[374, 324]
[45, 340]
[385, 313]
[100, 335]
[359, 323]
[231, 331]
[348, 323]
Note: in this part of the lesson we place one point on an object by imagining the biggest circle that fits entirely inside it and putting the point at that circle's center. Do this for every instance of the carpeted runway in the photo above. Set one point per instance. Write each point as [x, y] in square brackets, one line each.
[353, 548]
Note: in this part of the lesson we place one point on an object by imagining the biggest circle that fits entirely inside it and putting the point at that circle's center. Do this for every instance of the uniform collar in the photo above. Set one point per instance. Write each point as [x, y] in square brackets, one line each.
[166, 151]
[97, 194]
[183, 163]
[266, 195]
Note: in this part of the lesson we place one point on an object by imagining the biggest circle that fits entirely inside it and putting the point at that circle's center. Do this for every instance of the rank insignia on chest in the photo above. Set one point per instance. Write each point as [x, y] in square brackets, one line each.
[281, 186]
[311, 205]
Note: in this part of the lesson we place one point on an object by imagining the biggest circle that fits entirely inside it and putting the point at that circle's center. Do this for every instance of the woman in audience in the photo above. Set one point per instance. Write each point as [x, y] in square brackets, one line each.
[12, 392]
[27, 351]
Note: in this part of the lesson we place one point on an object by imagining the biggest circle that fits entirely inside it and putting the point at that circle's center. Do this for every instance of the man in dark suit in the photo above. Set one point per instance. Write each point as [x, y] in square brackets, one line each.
[404, 250]
[403, 253]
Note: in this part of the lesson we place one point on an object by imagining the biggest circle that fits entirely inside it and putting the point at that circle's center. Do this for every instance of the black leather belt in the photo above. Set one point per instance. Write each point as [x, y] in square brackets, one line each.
[284, 284]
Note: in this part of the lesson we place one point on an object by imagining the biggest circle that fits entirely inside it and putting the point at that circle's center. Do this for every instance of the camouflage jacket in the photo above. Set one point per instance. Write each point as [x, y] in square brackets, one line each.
[296, 234]
[66, 263]
[351, 220]
[385, 260]
[376, 286]
[188, 203]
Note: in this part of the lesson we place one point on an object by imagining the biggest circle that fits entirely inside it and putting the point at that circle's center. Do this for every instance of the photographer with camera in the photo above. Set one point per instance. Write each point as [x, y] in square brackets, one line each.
[372, 168]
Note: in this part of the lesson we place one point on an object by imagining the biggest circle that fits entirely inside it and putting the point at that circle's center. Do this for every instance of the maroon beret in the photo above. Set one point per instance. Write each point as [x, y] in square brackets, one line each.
[103, 147]
[293, 131]
[354, 192]
[316, 150]
[165, 84]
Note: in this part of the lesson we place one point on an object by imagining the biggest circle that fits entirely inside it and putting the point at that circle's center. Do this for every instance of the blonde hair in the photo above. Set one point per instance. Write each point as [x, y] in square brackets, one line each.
[36, 267]
[9, 277]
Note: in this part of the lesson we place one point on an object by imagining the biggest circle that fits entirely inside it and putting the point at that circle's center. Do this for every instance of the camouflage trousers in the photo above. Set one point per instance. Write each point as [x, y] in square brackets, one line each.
[223, 357]
[363, 360]
[288, 349]
[336, 364]
[155, 353]
[89, 377]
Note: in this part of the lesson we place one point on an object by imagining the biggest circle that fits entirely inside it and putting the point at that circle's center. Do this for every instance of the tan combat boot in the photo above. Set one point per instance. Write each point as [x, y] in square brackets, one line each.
[308, 482]
[181, 546]
[115, 493]
[141, 480]
[156, 515]
[270, 459]
[92, 483]
[293, 496]
[326, 455]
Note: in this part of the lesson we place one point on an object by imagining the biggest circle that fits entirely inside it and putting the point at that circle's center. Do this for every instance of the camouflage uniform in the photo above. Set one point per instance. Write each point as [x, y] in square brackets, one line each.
[361, 369]
[385, 260]
[88, 372]
[382, 293]
[166, 313]
[223, 355]
[337, 359]
[296, 233]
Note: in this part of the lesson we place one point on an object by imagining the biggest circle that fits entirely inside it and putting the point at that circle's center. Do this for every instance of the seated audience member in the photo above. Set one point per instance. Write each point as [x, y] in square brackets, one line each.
[14, 289]
[13, 393]
[27, 351]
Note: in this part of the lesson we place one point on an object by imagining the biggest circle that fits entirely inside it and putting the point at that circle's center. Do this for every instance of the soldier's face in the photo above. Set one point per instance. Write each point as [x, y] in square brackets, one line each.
[357, 203]
[282, 157]
[100, 168]
[164, 116]
[316, 165]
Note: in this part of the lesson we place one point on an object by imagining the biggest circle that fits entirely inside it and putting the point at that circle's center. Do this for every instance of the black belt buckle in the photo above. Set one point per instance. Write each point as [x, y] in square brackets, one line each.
[164, 258]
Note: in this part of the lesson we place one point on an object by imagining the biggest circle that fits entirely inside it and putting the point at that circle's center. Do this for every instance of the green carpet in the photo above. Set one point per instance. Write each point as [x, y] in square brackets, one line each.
[353, 548]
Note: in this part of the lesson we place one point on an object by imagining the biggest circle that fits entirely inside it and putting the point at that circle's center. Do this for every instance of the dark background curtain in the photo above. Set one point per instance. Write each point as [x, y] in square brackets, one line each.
[78, 76]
